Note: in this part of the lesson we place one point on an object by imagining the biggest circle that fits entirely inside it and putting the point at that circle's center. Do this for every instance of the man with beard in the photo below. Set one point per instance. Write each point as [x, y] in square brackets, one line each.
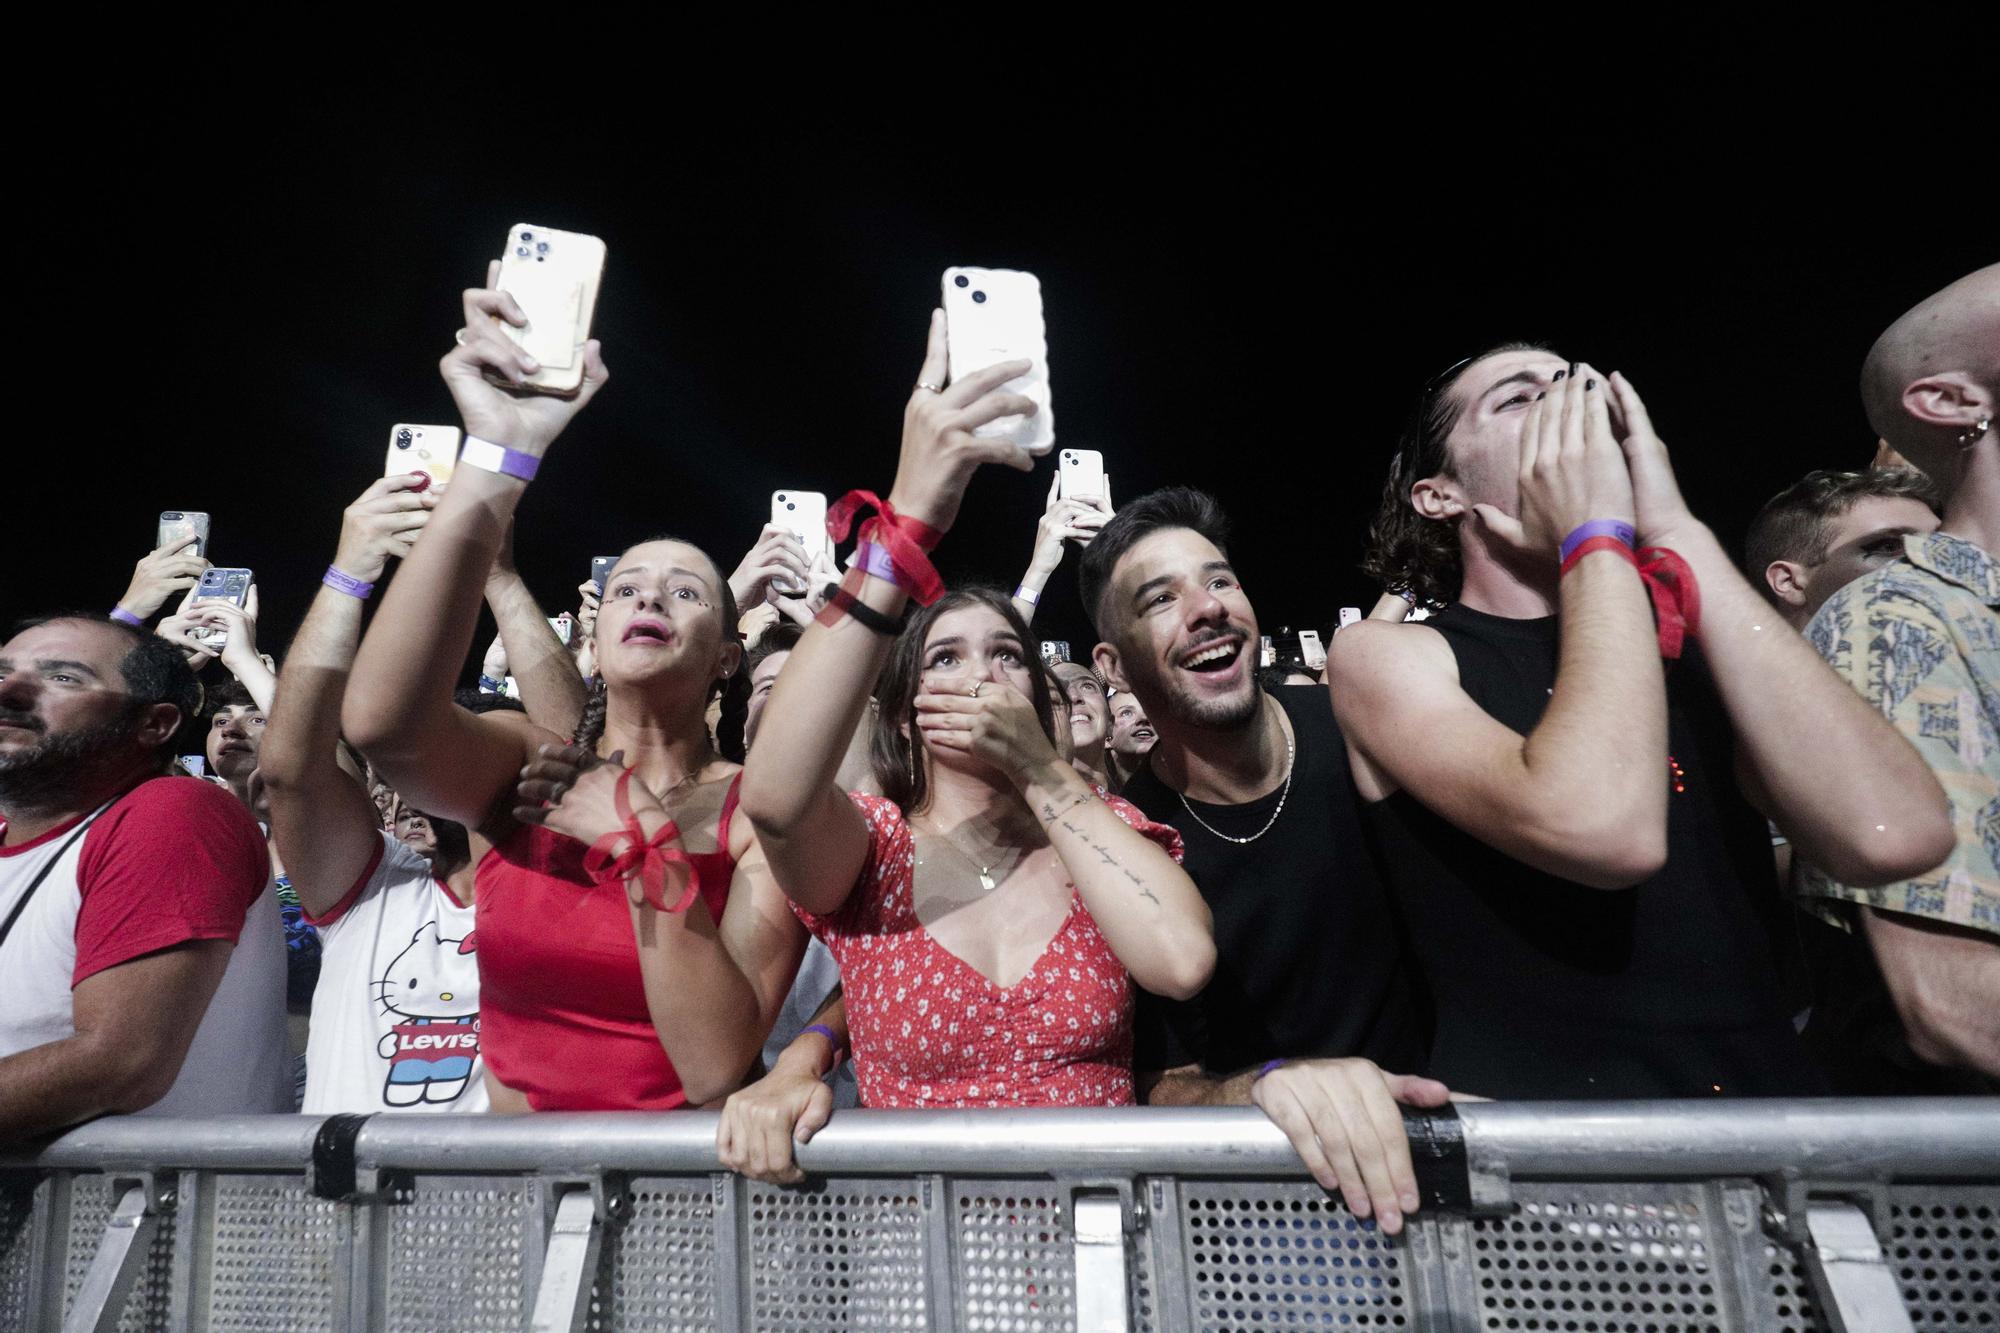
[1312, 1001]
[122, 892]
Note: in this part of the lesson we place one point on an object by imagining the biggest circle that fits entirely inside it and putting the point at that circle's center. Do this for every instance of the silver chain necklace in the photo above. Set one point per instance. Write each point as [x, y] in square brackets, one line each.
[1291, 753]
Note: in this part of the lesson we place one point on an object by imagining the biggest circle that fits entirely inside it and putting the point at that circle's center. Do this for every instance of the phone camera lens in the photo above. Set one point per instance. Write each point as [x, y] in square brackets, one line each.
[521, 250]
[527, 236]
[542, 246]
[962, 281]
[790, 505]
[979, 298]
[403, 439]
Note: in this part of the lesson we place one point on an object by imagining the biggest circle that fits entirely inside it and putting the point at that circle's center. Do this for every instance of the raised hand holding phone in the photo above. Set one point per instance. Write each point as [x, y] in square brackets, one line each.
[188, 630]
[776, 564]
[994, 315]
[514, 417]
[175, 567]
[940, 451]
[383, 523]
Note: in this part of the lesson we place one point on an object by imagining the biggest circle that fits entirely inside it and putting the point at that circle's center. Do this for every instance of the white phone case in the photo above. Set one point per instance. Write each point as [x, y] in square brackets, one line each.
[993, 315]
[1082, 474]
[431, 450]
[1312, 650]
[803, 514]
[553, 276]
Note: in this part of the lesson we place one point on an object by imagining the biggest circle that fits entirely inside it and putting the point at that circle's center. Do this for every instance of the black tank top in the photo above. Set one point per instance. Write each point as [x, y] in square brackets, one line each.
[1549, 988]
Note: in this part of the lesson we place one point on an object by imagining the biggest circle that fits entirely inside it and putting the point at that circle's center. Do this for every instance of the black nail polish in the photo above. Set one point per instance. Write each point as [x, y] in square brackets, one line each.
[1543, 394]
[1572, 367]
[1590, 384]
[1558, 375]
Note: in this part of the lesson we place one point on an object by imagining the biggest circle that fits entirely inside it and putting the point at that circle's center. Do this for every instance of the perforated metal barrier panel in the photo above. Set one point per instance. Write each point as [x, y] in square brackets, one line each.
[470, 1248]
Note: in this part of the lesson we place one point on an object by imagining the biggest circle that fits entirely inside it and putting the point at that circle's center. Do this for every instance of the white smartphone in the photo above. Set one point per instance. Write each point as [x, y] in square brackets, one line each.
[1055, 650]
[1080, 474]
[553, 276]
[431, 450]
[1312, 650]
[993, 315]
[1348, 616]
[803, 514]
[565, 627]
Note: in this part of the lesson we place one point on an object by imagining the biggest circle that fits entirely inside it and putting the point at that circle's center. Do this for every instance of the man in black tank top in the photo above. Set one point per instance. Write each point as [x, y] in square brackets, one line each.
[1557, 808]
[1312, 997]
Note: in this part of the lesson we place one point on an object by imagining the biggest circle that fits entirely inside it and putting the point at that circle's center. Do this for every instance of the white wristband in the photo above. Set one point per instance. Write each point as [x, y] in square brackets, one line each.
[1026, 594]
[491, 457]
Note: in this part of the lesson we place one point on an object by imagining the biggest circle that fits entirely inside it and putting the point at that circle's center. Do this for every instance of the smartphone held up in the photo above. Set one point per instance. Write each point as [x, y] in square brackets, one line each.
[221, 585]
[554, 277]
[177, 525]
[431, 451]
[994, 315]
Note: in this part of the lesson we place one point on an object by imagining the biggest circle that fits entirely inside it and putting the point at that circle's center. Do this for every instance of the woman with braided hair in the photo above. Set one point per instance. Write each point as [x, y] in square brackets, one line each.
[621, 888]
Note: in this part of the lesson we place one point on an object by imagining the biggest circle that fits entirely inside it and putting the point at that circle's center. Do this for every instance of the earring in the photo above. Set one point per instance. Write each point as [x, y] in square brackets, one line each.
[1967, 439]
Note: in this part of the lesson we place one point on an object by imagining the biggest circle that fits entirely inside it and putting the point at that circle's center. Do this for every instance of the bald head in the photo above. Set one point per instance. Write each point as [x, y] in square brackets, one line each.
[1936, 370]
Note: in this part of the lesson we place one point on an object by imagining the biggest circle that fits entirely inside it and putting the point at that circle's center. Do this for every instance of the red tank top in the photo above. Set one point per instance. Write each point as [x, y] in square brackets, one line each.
[563, 1016]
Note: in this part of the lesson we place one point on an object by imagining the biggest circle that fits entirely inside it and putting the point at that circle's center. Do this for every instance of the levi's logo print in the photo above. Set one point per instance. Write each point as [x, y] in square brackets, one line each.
[432, 988]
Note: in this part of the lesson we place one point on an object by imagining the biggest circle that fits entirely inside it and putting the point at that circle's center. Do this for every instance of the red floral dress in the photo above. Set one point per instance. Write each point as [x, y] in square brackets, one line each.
[930, 1030]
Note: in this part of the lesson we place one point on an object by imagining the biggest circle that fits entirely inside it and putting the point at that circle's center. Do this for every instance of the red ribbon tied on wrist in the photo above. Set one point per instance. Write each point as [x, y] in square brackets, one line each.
[908, 541]
[1676, 597]
[649, 857]
[1669, 582]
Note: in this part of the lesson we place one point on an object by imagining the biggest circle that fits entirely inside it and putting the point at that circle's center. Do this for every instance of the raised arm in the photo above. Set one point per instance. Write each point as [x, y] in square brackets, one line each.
[1061, 520]
[326, 827]
[398, 707]
[551, 687]
[1583, 795]
[1853, 796]
[814, 838]
[239, 650]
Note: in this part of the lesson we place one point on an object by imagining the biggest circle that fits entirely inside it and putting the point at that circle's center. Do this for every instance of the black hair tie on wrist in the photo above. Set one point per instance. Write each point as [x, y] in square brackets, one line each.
[865, 615]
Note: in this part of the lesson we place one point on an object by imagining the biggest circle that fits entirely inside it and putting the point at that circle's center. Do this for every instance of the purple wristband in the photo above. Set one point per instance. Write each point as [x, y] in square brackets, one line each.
[498, 458]
[1267, 1067]
[827, 1032]
[120, 613]
[875, 560]
[1598, 527]
[341, 581]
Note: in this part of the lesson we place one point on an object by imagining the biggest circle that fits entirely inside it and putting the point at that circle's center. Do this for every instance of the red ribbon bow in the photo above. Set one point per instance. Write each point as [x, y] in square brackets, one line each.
[650, 857]
[908, 541]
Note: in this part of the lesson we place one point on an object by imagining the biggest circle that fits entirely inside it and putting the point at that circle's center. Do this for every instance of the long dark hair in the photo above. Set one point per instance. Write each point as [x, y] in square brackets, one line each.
[734, 688]
[1409, 553]
[894, 750]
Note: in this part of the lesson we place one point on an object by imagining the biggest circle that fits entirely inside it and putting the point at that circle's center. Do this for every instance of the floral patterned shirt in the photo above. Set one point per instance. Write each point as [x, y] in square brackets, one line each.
[1920, 638]
[930, 1030]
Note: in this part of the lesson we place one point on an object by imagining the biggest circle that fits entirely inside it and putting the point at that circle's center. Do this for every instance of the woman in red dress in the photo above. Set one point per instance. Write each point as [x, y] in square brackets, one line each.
[596, 993]
[990, 911]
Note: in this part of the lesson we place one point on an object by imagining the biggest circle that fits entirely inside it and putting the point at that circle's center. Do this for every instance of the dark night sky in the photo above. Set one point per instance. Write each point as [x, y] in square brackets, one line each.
[1241, 294]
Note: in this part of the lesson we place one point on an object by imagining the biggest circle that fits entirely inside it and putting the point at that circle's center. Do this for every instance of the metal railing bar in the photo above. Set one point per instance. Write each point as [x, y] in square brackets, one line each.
[1903, 1138]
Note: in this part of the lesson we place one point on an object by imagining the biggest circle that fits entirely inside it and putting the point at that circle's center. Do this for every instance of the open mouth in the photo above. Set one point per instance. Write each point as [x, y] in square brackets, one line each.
[648, 630]
[1144, 734]
[1212, 657]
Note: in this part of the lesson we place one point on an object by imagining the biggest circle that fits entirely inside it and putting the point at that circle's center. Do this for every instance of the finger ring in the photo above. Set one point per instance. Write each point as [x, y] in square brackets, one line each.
[975, 688]
[926, 384]
[459, 337]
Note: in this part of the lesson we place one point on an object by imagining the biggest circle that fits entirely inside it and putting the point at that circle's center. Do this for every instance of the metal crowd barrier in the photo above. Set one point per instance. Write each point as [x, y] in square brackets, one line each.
[1770, 1217]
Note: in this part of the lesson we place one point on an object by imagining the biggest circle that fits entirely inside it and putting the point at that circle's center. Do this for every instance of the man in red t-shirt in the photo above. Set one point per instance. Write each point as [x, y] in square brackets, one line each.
[122, 890]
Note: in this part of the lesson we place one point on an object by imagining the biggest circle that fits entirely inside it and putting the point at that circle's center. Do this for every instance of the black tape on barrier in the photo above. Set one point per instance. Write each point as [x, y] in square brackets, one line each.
[1437, 1150]
[333, 1168]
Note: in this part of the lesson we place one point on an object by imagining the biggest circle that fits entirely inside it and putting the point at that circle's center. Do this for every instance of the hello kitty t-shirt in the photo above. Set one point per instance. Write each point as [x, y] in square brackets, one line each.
[395, 1017]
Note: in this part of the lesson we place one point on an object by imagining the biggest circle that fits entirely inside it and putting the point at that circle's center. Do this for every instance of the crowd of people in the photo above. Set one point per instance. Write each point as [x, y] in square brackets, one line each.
[1587, 807]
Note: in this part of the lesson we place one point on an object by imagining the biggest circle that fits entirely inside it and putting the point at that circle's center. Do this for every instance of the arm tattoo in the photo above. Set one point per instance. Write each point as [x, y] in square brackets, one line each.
[1104, 855]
